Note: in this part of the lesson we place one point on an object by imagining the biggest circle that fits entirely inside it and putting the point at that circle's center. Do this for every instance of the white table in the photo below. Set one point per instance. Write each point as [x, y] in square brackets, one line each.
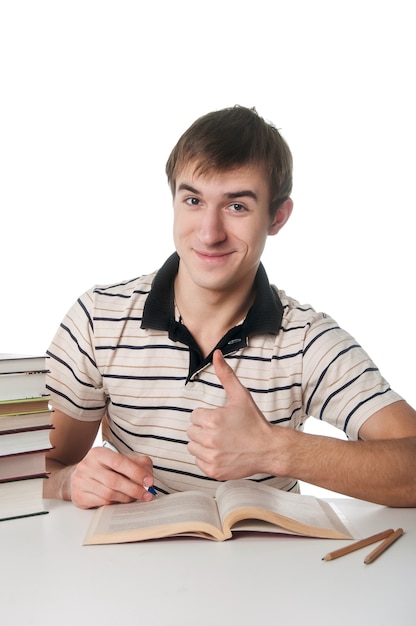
[48, 577]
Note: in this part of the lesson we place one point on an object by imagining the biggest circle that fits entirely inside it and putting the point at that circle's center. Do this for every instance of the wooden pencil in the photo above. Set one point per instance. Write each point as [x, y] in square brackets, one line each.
[383, 546]
[358, 545]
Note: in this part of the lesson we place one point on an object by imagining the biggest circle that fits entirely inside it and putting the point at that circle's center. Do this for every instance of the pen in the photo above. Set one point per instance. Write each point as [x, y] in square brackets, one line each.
[107, 444]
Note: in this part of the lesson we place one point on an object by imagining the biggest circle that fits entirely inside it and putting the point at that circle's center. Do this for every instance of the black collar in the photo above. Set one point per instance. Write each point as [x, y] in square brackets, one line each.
[264, 316]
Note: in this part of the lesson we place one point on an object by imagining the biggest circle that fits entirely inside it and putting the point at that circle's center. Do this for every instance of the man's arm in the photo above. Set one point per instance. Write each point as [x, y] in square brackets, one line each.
[380, 467]
[92, 476]
[236, 440]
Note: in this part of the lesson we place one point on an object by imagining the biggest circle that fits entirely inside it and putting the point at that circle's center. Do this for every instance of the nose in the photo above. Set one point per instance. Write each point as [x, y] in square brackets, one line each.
[211, 227]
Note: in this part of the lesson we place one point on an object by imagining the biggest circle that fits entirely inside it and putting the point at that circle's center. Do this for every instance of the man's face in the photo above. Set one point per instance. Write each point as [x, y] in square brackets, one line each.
[221, 222]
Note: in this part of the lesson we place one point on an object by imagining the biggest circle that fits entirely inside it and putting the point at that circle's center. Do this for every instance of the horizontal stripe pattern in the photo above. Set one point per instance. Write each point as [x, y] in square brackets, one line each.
[102, 361]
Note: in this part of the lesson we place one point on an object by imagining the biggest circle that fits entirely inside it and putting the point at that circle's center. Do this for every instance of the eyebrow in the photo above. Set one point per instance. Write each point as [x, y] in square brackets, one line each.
[244, 193]
[231, 195]
[185, 187]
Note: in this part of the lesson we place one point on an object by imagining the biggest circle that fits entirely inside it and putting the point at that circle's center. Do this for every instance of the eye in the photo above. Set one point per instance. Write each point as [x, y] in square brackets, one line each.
[192, 201]
[236, 207]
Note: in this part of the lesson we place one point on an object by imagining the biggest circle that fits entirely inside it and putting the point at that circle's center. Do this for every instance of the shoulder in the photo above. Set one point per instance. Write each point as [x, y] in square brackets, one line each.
[126, 294]
[293, 307]
[302, 317]
[316, 334]
[140, 285]
[107, 301]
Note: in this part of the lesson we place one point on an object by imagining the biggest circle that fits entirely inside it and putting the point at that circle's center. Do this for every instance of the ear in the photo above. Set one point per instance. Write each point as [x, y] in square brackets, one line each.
[282, 215]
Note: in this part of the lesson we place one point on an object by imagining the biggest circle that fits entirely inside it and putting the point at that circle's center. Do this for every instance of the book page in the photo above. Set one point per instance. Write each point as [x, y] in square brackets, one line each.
[177, 513]
[242, 499]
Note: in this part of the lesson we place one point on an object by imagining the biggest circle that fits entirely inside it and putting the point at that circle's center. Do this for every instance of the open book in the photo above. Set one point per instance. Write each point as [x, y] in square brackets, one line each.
[238, 505]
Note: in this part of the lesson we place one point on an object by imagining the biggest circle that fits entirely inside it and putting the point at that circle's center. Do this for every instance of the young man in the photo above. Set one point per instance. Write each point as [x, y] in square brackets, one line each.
[203, 371]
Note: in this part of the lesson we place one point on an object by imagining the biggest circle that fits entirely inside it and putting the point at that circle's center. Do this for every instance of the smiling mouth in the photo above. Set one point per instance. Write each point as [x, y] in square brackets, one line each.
[212, 256]
[212, 259]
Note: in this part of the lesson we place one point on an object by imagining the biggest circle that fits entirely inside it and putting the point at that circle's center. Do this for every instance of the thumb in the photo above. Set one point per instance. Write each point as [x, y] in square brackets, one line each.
[227, 378]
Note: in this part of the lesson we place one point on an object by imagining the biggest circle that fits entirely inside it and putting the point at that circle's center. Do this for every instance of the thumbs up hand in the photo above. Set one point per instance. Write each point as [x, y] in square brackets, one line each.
[230, 441]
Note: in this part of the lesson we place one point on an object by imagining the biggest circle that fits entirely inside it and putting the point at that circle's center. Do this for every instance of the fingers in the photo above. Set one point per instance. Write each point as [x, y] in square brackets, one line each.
[228, 379]
[104, 476]
[237, 397]
[228, 441]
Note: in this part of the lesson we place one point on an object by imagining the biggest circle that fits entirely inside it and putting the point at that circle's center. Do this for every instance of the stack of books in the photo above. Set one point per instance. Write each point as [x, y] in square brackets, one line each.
[25, 424]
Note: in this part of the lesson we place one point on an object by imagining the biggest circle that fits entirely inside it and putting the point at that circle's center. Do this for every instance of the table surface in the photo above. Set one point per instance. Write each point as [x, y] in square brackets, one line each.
[48, 577]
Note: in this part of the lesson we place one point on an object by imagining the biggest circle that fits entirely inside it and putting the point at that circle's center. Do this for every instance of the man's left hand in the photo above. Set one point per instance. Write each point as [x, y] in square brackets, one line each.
[230, 441]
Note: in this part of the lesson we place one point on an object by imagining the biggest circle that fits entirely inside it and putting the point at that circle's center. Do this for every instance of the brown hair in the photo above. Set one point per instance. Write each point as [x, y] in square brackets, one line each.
[232, 137]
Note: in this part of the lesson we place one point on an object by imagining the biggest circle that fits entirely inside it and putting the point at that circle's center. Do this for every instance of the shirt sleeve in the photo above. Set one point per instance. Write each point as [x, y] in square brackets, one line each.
[341, 384]
[74, 381]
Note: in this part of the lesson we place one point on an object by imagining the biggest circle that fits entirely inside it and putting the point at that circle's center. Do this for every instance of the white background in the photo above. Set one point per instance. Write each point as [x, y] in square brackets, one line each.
[95, 94]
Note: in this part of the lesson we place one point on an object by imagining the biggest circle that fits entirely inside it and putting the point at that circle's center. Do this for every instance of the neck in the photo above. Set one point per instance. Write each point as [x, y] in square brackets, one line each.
[209, 314]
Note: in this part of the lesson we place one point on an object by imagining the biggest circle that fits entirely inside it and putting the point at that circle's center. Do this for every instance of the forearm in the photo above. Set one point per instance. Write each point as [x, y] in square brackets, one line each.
[381, 471]
[58, 484]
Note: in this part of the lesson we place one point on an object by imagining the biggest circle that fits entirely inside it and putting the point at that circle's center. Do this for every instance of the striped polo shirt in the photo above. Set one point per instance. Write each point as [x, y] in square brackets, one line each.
[122, 353]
